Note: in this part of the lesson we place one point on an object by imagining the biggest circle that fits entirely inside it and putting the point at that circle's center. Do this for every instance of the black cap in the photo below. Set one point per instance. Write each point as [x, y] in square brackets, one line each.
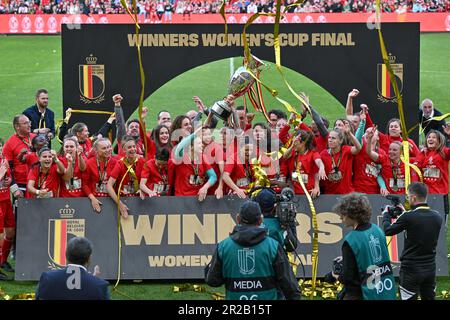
[250, 212]
[266, 199]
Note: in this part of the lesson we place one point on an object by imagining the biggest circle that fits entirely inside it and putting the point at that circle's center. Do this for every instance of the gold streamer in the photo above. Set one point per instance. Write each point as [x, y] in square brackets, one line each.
[197, 288]
[315, 251]
[119, 235]
[322, 289]
[135, 20]
[399, 97]
[444, 116]
[222, 13]
[20, 296]
[415, 168]
[141, 123]
[260, 176]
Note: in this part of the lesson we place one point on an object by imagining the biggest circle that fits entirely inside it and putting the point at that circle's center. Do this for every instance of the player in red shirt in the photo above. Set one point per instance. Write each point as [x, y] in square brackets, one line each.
[434, 163]
[128, 172]
[367, 165]
[7, 221]
[338, 161]
[157, 175]
[393, 170]
[31, 158]
[238, 172]
[305, 163]
[191, 168]
[97, 173]
[81, 132]
[394, 131]
[17, 144]
[44, 177]
[215, 157]
[73, 187]
[160, 139]
[181, 128]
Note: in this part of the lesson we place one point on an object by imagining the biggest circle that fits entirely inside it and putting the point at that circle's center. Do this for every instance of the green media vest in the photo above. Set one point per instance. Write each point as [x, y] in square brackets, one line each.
[374, 266]
[248, 271]
[274, 229]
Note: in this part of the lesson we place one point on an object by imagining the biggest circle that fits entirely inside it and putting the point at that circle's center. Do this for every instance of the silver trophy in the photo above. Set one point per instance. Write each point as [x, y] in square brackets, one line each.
[240, 82]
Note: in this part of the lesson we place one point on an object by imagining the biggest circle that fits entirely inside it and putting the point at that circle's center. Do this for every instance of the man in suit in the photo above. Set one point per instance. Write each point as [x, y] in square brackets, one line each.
[73, 282]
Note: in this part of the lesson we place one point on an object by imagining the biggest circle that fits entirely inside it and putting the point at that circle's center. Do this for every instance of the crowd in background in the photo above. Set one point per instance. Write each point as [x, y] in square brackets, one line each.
[213, 6]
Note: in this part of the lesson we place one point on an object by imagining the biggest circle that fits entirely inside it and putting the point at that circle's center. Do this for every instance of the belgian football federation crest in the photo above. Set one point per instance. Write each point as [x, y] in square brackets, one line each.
[246, 261]
[60, 231]
[91, 81]
[384, 84]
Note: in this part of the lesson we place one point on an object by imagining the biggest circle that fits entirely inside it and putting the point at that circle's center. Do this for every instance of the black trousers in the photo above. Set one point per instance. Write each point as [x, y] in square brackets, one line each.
[417, 283]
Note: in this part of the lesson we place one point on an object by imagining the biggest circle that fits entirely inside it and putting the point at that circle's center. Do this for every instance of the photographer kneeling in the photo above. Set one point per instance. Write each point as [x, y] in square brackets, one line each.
[282, 227]
[366, 271]
[418, 259]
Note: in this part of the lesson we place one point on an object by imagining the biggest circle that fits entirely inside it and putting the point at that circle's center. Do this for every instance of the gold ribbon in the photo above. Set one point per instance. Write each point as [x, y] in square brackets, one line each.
[20, 296]
[415, 168]
[444, 116]
[67, 118]
[142, 125]
[222, 13]
[197, 288]
[119, 235]
[315, 250]
[260, 176]
[399, 97]
[322, 289]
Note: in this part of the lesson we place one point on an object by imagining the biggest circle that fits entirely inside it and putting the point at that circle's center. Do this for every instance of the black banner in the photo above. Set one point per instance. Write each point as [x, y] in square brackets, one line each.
[173, 237]
[101, 60]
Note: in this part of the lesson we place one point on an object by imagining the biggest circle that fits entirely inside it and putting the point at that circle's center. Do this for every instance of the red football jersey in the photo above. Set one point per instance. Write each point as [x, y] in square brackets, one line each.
[434, 168]
[128, 185]
[49, 180]
[95, 177]
[305, 165]
[339, 178]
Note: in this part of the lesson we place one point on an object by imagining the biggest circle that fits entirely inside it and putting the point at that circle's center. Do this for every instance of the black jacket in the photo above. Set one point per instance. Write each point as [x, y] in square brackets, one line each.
[422, 226]
[350, 277]
[34, 115]
[250, 236]
[429, 125]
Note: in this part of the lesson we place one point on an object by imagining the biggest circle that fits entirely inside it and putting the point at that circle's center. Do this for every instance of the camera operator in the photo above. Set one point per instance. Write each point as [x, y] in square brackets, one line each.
[285, 233]
[366, 267]
[422, 225]
[252, 265]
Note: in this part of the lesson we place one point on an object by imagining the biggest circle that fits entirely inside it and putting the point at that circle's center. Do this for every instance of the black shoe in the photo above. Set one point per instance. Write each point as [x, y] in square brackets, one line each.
[3, 276]
[6, 267]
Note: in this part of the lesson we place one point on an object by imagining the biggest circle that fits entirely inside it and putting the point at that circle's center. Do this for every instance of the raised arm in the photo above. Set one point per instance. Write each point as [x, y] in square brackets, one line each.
[120, 121]
[349, 106]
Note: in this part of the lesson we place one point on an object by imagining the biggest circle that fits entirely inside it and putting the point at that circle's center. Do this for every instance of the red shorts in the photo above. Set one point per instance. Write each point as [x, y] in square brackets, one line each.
[6, 215]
